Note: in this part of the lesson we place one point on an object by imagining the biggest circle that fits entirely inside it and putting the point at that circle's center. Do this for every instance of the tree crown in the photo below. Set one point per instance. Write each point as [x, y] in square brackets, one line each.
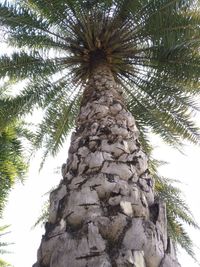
[151, 47]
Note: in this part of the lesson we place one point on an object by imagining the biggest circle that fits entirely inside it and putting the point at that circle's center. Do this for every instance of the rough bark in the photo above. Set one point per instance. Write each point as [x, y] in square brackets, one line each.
[103, 212]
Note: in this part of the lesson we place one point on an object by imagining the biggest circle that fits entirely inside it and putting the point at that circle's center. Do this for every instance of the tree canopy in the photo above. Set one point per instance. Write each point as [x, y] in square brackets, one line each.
[152, 48]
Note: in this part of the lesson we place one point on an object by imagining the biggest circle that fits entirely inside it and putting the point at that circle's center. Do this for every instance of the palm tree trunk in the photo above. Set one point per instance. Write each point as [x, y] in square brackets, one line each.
[103, 212]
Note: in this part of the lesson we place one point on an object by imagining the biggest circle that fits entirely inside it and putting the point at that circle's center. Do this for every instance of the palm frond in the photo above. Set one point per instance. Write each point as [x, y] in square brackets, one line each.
[58, 120]
[22, 65]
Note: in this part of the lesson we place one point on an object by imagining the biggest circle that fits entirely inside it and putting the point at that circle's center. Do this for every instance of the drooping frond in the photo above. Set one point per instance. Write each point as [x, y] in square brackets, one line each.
[169, 116]
[56, 125]
[22, 66]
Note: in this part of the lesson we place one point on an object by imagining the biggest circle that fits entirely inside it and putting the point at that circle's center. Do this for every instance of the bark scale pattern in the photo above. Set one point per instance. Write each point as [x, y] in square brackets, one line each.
[103, 213]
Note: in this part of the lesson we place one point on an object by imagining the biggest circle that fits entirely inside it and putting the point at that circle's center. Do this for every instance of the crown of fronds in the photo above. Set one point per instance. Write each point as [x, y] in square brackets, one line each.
[151, 47]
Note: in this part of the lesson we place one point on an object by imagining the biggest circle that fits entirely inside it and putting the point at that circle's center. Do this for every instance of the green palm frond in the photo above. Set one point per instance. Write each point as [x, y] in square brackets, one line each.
[168, 116]
[22, 65]
[61, 107]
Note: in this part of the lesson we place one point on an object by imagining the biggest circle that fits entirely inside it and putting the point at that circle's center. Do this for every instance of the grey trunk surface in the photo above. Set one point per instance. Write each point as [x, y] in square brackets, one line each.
[103, 212]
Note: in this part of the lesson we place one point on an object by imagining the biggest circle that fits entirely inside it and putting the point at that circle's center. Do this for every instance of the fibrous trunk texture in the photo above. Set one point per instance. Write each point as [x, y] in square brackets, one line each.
[103, 213]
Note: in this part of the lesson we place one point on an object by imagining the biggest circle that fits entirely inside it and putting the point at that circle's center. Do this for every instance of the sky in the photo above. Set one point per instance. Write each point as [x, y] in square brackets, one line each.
[25, 201]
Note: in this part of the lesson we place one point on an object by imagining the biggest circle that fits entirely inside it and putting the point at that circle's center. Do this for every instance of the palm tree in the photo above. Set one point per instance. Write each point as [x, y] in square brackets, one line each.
[113, 59]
